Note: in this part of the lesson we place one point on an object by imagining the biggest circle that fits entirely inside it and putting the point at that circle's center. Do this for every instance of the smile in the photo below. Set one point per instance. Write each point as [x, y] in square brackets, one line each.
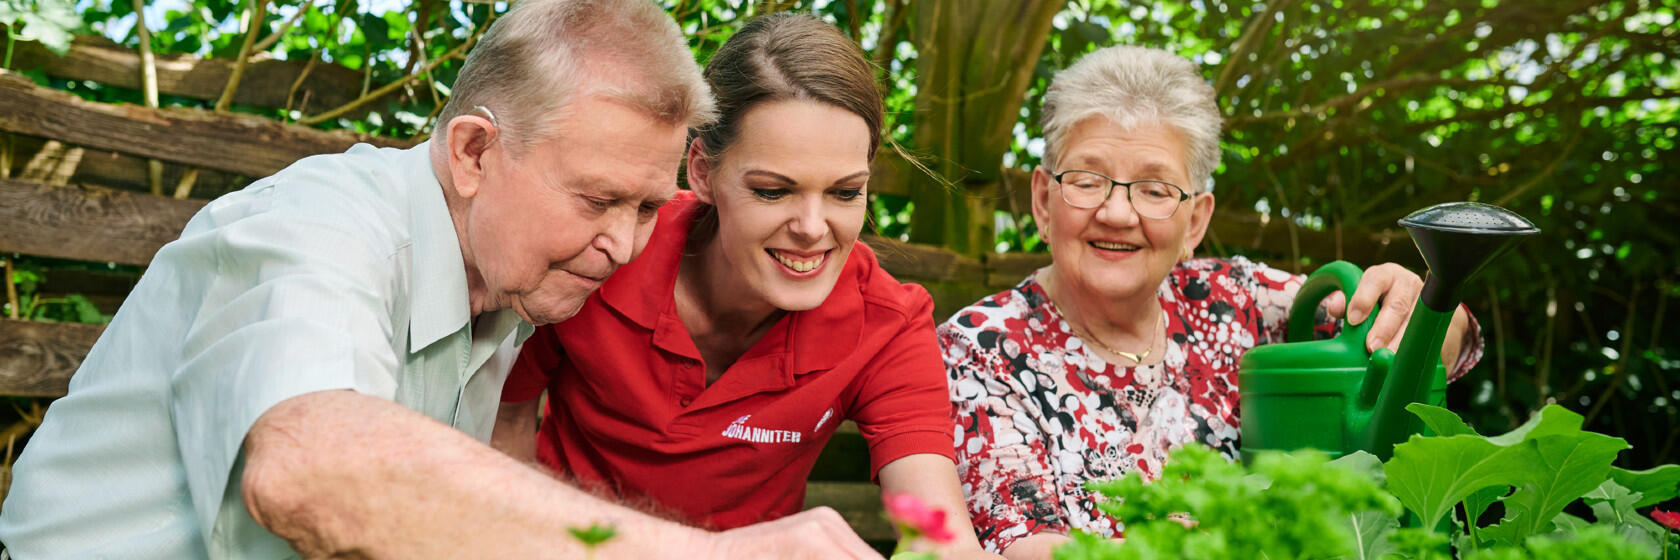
[798, 263]
[1111, 246]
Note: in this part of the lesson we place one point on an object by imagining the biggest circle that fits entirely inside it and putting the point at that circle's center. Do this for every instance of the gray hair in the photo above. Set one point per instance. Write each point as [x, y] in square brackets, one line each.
[1135, 87]
[544, 53]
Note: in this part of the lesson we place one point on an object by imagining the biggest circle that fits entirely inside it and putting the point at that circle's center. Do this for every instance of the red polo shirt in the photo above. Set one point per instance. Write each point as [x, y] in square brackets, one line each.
[629, 408]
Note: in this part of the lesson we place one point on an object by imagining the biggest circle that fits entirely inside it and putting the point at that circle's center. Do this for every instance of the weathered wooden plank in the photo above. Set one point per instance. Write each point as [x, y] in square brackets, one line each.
[1007, 269]
[121, 171]
[38, 358]
[88, 223]
[911, 262]
[248, 144]
[266, 82]
[858, 502]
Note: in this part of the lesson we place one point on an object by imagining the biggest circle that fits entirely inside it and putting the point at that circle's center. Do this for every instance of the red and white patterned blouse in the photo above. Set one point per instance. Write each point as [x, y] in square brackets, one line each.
[1038, 413]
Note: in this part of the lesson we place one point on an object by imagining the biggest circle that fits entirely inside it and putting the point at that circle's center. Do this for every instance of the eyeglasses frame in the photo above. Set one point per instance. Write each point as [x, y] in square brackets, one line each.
[1183, 195]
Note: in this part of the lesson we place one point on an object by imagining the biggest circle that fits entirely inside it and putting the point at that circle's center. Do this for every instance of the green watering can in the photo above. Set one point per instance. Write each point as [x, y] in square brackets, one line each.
[1334, 396]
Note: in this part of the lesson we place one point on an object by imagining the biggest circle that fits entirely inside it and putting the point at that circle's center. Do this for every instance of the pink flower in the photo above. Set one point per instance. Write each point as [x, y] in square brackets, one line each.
[916, 517]
[1667, 518]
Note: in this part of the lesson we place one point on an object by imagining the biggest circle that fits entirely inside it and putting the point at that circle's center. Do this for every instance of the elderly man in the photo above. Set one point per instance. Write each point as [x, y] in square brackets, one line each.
[285, 378]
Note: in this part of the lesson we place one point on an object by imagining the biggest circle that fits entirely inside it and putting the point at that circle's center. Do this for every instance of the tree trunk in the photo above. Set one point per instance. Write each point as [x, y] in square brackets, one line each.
[975, 59]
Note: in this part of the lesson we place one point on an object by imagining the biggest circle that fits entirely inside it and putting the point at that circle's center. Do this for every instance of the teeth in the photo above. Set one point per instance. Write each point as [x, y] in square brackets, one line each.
[1114, 246]
[799, 266]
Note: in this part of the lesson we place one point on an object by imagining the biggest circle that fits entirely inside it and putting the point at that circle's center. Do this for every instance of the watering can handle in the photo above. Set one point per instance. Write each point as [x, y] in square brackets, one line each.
[1303, 313]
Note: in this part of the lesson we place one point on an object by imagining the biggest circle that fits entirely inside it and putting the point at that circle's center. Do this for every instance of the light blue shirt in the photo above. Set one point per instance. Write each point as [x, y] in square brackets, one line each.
[339, 272]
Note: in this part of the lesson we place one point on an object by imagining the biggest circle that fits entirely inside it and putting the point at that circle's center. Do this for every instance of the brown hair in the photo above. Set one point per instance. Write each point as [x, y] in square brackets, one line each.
[778, 57]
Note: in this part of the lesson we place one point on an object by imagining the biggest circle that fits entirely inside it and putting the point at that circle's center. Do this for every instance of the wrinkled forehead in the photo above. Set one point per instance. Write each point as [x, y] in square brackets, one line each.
[1099, 143]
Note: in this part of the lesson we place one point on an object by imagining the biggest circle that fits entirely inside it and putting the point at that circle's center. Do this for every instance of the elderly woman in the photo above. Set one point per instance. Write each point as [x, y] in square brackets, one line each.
[1125, 346]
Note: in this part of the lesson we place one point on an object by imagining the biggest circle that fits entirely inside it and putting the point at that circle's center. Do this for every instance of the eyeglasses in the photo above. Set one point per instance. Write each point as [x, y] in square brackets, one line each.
[1156, 200]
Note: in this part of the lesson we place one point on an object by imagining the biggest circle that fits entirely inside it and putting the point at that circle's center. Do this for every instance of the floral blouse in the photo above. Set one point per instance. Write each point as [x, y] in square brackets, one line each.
[1038, 413]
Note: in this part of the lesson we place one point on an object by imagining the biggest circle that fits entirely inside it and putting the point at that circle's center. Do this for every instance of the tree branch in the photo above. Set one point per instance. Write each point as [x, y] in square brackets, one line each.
[269, 41]
[887, 44]
[1544, 173]
[1390, 88]
[11, 290]
[259, 10]
[388, 88]
[1257, 28]
[148, 86]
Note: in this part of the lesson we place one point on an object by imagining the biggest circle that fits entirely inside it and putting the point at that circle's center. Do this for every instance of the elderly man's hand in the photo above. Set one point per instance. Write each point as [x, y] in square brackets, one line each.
[818, 533]
[1398, 290]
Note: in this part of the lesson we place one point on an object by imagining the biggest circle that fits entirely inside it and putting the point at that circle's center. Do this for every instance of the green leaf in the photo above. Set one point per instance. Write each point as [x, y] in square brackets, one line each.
[1440, 420]
[1362, 463]
[1370, 533]
[50, 22]
[83, 309]
[593, 535]
[1432, 474]
[1612, 502]
[1566, 522]
[1657, 485]
[1476, 504]
[1571, 464]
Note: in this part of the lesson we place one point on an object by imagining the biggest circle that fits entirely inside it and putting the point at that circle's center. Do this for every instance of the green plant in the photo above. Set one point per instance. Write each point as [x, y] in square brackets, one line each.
[592, 536]
[1302, 505]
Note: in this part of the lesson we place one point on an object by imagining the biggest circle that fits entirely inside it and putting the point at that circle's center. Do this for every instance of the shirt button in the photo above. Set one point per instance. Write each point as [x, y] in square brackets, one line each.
[686, 402]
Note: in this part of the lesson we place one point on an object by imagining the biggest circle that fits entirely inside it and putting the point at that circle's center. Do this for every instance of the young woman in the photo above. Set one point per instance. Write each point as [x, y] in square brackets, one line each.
[707, 374]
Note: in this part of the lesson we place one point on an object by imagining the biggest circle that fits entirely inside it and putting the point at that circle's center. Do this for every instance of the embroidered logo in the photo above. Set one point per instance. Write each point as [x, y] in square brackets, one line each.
[741, 431]
[826, 416]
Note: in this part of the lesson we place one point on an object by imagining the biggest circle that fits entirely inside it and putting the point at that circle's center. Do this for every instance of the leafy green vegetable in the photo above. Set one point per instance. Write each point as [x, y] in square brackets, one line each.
[1657, 485]
[1294, 505]
[1299, 505]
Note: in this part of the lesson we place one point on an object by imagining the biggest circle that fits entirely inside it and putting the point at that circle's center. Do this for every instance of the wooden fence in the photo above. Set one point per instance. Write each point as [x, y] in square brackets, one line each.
[82, 195]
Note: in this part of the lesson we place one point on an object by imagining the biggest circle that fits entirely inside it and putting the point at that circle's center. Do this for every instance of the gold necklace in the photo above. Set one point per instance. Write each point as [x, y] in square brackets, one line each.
[1135, 358]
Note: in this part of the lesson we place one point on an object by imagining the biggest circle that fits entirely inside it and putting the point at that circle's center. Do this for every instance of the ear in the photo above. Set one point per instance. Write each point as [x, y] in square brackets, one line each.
[1201, 213]
[470, 138]
[1041, 201]
[700, 172]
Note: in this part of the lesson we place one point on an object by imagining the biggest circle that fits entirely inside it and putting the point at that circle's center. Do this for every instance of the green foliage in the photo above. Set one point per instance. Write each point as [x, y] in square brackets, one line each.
[52, 22]
[1293, 506]
[28, 278]
[1549, 460]
[1299, 505]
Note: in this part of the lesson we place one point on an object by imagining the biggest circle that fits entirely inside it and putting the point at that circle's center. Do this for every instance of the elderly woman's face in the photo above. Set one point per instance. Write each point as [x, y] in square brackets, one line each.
[1110, 251]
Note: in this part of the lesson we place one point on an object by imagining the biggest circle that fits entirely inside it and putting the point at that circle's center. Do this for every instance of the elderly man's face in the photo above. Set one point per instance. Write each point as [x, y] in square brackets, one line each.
[1110, 251]
[546, 228]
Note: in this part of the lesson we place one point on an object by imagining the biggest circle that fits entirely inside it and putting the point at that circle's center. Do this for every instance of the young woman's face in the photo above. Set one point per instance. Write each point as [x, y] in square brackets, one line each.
[790, 197]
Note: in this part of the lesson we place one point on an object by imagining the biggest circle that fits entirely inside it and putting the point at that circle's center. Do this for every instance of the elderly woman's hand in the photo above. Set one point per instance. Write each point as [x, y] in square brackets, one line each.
[1397, 289]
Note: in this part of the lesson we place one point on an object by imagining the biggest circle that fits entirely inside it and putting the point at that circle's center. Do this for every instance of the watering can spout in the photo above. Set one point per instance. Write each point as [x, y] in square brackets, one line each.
[1457, 240]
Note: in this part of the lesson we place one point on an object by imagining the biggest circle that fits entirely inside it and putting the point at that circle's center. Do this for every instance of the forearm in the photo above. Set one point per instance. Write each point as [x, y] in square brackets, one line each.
[338, 473]
[1463, 336]
[516, 430]
[932, 478]
[1035, 547]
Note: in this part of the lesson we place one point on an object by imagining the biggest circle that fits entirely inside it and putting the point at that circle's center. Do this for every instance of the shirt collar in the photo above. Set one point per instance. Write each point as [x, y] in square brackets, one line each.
[646, 287]
[644, 291]
[438, 299]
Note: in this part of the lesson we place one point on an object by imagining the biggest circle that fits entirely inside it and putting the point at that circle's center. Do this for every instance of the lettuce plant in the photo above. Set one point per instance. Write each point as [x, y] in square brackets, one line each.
[1302, 505]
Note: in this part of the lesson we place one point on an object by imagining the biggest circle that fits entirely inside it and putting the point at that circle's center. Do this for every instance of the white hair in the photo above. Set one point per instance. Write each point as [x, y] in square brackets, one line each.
[542, 54]
[1136, 87]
